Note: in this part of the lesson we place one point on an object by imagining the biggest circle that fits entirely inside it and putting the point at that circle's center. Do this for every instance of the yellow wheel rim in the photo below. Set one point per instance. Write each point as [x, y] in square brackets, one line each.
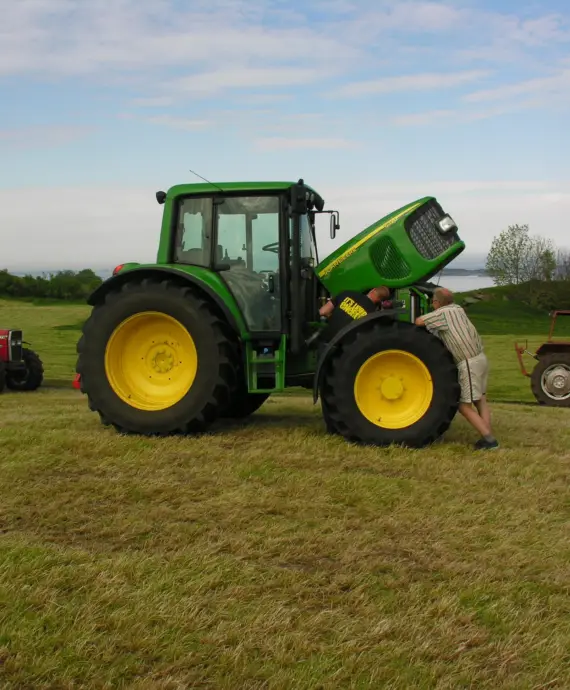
[151, 361]
[393, 389]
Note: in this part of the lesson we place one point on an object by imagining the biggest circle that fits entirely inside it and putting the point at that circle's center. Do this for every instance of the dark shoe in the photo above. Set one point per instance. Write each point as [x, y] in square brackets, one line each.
[486, 445]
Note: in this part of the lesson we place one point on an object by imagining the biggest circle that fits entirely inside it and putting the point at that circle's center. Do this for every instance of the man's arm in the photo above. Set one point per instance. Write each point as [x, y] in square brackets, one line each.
[327, 309]
[434, 321]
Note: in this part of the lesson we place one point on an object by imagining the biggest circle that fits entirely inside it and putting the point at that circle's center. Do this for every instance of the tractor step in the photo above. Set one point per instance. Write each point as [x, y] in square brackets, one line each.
[266, 372]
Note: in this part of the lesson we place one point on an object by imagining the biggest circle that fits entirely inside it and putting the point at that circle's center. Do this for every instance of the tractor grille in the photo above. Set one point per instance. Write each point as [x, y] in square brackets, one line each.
[388, 260]
[424, 234]
[15, 346]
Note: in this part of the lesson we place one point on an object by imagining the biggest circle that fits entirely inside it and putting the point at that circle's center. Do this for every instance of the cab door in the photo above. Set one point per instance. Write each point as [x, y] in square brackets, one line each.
[248, 255]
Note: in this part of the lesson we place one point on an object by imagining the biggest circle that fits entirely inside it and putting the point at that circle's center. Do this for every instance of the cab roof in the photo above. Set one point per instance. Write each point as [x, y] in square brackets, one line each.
[204, 187]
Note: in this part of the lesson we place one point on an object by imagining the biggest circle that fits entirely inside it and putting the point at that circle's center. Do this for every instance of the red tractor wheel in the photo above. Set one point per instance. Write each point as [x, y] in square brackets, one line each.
[31, 377]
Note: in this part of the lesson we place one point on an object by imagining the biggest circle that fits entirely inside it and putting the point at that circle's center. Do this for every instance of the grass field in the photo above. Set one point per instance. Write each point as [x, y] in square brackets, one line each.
[269, 555]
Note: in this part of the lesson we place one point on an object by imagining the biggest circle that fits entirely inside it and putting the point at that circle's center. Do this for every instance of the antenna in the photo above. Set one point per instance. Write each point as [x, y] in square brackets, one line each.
[208, 181]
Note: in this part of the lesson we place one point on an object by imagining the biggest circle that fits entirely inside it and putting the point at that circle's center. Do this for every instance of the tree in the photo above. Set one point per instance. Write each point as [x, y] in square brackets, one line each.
[562, 271]
[508, 254]
[63, 285]
[540, 263]
[515, 257]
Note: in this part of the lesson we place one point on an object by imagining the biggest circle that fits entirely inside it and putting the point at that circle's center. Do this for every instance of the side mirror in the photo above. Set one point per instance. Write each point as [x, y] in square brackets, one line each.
[334, 224]
[161, 197]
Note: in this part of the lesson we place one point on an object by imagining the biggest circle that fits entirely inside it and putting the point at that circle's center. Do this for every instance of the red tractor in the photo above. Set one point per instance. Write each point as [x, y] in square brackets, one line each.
[20, 368]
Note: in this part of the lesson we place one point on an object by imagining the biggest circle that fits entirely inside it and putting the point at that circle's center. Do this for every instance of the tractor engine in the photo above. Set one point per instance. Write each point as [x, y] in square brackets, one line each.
[405, 248]
[10, 346]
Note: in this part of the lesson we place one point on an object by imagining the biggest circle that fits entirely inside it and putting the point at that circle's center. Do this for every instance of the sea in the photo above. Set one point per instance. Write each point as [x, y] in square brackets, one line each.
[463, 283]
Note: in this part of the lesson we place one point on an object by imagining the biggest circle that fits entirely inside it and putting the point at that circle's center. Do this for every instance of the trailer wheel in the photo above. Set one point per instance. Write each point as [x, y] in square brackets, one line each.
[550, 379]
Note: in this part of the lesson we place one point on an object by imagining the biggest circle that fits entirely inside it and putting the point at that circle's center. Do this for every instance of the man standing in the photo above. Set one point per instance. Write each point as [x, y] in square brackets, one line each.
[451, 324]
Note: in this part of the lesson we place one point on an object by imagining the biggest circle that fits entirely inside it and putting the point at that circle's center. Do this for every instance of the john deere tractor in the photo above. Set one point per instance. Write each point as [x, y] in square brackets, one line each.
[229, 314]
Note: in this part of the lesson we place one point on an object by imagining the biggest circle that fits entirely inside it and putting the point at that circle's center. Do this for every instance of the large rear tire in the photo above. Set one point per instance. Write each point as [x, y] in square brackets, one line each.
[30, 378]
[155, 358]
[391, 383]
[550, 379]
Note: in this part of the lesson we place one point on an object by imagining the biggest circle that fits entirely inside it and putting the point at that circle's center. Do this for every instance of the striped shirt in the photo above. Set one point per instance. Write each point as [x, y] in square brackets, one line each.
[452, 325]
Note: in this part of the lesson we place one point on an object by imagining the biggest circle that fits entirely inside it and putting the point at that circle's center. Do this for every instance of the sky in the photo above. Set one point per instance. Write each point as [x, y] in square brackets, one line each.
[374, 103]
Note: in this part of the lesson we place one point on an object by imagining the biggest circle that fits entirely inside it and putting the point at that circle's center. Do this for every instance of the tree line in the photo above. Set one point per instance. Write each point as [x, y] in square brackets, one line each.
[535, 270]
[61, 285]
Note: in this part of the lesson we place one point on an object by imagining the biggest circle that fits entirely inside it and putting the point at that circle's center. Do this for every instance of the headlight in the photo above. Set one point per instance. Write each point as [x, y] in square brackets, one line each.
[446, 224]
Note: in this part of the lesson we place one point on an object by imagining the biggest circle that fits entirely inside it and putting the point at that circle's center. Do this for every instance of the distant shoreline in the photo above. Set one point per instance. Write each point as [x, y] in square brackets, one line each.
[464, 272]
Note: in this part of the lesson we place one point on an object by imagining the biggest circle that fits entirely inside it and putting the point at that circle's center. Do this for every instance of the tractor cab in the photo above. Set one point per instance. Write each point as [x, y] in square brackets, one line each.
[259, 245]
[259, 241]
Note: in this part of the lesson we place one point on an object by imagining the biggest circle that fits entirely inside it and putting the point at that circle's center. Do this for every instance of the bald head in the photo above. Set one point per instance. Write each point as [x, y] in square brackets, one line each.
[443, 296]
[379, 293]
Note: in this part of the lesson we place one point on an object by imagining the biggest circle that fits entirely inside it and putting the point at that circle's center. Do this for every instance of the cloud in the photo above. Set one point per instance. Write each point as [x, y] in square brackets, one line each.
[557, 84]
[426, 17]
[462, 116]
[123, 224]
[264, 98]
[42, 136]
[179, 122]
[499, 38]
[535, 32]
[165, 52]
[210, 83]
[152, 102]
[411, 82]
[482, 208]
[285, 144]
[72, 37]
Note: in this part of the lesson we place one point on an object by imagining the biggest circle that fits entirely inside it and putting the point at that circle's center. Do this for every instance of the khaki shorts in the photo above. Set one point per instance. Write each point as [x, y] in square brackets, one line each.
[473, 376]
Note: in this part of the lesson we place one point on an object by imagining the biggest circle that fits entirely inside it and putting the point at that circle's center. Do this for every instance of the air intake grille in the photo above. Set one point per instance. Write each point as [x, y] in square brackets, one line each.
[388, 260]
[424, 234]
[15, 346]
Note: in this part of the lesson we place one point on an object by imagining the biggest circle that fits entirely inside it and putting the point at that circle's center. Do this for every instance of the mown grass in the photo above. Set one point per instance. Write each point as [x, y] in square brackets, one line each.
[270, 555]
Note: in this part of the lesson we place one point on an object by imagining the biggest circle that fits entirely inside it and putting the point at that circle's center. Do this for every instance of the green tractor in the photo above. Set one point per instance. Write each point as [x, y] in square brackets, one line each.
[229, 314]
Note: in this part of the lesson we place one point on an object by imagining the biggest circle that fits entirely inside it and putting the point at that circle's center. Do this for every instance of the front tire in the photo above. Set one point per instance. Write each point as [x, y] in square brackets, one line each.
[30, 378]
[155, 359]
[550, 380]
[391, 383]
[2, 376]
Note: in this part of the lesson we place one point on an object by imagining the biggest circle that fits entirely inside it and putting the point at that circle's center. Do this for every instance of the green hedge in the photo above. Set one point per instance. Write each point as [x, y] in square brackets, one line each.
[63, 285]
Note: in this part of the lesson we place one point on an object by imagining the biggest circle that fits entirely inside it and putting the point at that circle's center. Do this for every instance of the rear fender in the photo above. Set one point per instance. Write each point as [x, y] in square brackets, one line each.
[332, 345]
[552, 347]
[99, 294]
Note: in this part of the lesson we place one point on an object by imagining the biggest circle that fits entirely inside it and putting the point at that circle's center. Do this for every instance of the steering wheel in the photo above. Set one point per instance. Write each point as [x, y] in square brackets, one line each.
[272, 247]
